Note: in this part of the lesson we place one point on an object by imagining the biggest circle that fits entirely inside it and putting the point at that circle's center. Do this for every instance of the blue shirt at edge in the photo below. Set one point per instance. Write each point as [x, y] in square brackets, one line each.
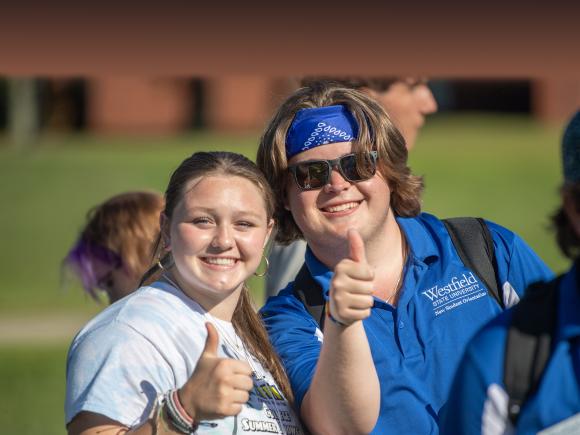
[558, 395]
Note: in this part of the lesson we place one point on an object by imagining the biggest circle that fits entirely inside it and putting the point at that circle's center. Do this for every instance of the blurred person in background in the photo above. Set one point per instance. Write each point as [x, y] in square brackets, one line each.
[116, 244]
[407, 100]
[482, 400]
[188, 353]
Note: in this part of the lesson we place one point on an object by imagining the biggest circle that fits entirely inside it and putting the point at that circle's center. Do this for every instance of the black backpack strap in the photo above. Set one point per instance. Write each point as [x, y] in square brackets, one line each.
[474, 244]
[309, 292]
[529, 343]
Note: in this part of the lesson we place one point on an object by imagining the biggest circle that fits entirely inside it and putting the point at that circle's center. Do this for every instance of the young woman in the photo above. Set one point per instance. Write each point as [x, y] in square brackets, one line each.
[115, 247]
[188, 353]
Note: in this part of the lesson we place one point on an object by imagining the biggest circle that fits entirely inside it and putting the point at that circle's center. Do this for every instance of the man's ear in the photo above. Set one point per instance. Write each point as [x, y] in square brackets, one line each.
[571, 208]
[164, 225]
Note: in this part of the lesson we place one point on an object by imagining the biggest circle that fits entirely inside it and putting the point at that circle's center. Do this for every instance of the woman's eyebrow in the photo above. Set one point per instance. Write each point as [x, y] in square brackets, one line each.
[212, 210]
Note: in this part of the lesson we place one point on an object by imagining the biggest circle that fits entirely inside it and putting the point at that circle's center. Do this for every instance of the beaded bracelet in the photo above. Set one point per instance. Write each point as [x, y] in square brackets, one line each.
[178, 417]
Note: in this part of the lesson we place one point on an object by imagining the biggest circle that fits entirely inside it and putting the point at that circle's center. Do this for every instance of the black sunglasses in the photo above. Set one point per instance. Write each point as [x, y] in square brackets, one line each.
[315, 174]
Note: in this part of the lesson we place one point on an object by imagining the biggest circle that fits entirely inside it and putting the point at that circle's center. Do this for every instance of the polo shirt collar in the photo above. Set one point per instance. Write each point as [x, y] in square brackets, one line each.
[422, 246]
[422, 250]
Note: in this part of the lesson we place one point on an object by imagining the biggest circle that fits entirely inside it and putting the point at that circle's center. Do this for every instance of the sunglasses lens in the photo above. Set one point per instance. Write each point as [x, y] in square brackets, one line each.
[315, 174]
[312, 175]
[354, 170]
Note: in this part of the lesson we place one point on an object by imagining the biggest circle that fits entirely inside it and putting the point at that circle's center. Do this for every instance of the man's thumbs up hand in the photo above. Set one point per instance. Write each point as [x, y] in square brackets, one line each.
[351, 287]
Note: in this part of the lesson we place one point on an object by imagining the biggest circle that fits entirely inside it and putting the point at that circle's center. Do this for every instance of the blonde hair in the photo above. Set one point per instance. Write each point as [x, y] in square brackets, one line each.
[376, 132]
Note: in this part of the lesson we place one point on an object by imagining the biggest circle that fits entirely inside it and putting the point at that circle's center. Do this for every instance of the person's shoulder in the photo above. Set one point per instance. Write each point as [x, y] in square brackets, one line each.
[286, 310]
[499, 232]
[431, 221]
[421, 223]
[503, 237]
[512, 248]
[291, 328]
[423, 218]
[159, 302]
[285, 301]
[149, 312]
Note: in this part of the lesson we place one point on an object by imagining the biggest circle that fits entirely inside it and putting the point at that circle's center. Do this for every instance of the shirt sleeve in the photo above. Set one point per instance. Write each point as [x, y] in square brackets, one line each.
[296, 338]
[116, 372]
[518, 265]
[477, 402]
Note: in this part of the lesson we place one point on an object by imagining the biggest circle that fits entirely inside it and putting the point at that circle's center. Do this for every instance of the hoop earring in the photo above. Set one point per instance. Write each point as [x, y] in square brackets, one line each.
[164, 262]
[267, 267]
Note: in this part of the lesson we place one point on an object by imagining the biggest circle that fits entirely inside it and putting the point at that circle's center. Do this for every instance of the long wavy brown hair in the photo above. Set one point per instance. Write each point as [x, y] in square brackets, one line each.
[246, 321]
[376, 132]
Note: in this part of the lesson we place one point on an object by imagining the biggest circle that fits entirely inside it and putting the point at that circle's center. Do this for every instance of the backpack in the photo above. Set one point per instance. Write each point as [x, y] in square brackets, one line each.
[472, 241]
[529, 343]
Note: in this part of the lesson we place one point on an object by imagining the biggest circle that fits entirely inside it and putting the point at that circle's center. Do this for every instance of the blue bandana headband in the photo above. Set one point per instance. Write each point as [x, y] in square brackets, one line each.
[571, 150]
[320, 126]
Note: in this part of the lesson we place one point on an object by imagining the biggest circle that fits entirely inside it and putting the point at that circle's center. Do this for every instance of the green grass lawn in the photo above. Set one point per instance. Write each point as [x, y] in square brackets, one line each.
[504, 168]
[33, 386]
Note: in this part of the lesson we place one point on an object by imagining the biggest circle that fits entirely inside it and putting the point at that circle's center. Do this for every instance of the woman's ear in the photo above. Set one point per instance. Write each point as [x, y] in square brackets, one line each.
[572, 210]
[164, 225]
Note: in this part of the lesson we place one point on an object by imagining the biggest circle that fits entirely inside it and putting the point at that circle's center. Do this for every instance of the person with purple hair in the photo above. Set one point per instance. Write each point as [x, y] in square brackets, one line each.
[116, 245]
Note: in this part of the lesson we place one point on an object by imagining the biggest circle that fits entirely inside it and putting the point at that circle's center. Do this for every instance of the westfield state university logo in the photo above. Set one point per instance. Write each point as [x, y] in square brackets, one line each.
[458, 291]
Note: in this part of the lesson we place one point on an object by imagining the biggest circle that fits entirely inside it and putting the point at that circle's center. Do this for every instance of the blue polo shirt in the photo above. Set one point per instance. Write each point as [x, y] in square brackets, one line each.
[416, 345]
[478, 402]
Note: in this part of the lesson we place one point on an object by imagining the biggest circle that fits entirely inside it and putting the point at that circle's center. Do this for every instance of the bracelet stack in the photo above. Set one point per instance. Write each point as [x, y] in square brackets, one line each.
[178, 416]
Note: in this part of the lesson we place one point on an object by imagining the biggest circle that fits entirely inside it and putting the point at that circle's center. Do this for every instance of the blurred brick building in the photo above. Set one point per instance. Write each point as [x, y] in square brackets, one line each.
[149, 106]
[169, 105]
[162, 105]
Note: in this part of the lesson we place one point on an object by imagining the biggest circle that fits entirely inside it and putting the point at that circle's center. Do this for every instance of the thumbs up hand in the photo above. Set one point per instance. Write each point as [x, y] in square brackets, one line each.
[351, 287]
[218, 387]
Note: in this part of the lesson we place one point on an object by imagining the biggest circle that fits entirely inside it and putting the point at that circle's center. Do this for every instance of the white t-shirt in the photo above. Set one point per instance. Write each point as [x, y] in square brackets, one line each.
[149, 343]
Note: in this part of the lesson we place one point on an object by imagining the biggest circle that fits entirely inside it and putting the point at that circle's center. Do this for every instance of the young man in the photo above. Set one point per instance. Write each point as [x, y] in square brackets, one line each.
[478, 403]
[408, 101]
[401, 304]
